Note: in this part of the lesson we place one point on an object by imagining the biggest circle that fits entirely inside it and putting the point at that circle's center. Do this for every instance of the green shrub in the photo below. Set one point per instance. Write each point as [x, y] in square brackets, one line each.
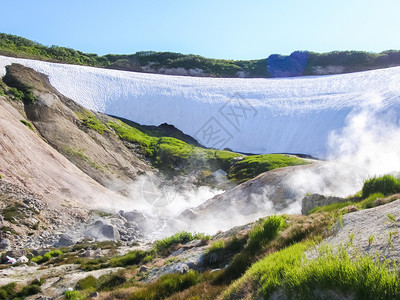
[18, 95]
[8, 291]
[29, 290]
[46, 257]
[27, 96]
[264, 232]
[167, 285]
[86, 283]
[73, 295]
[387, 185]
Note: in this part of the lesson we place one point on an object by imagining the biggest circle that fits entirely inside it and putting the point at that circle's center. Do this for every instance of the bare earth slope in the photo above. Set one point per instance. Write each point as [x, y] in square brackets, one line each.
[59, 120]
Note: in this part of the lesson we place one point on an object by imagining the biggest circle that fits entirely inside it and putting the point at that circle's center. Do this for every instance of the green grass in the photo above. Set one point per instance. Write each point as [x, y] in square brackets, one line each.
[167, 153]
[131, 258]
[216, 246]
[106, 282]
[73, 295]
[331, 207]
[364, 276]
[253, 165]
[369, 202]
[163, 246]
[264, 232]
[10, 290]
[46, 257]
[167, 285]
[27, 124]
[89, 120]
[386, 185]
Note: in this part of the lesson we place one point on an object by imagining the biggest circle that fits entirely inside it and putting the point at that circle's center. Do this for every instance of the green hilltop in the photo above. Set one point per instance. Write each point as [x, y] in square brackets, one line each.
[299, 63]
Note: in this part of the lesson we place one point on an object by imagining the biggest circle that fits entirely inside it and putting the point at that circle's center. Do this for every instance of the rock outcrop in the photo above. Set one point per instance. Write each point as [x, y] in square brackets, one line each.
[314, 200]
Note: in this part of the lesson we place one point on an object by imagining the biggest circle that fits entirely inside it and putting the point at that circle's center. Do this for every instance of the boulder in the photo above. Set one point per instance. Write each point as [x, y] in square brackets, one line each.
[109, 232]
[134, 216]
[311, 201]
[5, 244]
[65, 240]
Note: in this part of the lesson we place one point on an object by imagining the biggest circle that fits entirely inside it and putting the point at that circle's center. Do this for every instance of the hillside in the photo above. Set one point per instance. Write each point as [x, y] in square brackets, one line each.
[93, 206]
[299, 63]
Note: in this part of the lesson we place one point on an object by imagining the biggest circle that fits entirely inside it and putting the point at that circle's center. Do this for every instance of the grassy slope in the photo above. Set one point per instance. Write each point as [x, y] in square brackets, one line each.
[253, 165]
[264, 259]
[297, 64]
[170, 154]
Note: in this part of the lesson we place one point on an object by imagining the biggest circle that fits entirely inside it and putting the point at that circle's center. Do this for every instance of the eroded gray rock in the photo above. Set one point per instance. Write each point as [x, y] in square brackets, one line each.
[310, 202]
[110, 232]
[66, 240]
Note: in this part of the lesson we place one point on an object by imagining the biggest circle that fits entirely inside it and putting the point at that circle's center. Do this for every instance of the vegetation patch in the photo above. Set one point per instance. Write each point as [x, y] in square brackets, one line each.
[163, 246]
[296, 229]
[253, 165]
[131, 258]
[47, 256]
[89, 120]
[288, 271]
[25, 95]
[167, 285]
[105, 282]
[387, 185]
[27, 124]
[79, 153]
[11, 291]
[265, 232]
[168, 153]
[331, 207]
[13, 213]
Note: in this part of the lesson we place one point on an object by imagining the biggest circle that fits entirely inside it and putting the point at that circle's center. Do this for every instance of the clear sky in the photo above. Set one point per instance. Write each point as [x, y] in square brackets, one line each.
[247, 29]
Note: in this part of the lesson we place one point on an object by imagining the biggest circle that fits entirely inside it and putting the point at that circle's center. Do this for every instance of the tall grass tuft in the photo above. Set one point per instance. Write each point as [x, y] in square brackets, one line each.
[264, 232]
[387, 185]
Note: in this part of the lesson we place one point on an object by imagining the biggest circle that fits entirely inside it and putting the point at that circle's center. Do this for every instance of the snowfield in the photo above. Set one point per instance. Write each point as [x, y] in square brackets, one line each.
[289, 115]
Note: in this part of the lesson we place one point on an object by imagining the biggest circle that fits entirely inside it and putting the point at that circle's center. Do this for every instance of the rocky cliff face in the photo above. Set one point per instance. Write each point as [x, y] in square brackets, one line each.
[51, 159]
[60, 121]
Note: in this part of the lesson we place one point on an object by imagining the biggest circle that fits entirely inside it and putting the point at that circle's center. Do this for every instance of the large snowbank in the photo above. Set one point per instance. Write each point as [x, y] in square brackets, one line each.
[289, 115]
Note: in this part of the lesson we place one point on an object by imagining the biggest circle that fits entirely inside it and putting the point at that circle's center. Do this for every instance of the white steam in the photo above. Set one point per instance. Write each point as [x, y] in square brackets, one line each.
[369, 145]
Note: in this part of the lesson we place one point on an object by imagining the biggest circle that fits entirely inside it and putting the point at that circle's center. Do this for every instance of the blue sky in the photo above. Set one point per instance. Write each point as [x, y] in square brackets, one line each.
[216, 29]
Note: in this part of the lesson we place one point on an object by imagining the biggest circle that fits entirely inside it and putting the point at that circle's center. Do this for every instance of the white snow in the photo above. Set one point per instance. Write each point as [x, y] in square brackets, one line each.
[289, 115]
